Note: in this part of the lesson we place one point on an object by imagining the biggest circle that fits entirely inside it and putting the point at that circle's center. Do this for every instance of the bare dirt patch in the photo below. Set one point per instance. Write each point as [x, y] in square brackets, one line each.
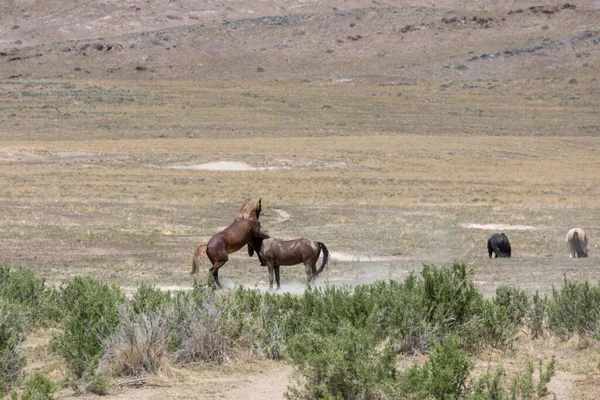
[283, 216]
[501, 227]
[221, 166]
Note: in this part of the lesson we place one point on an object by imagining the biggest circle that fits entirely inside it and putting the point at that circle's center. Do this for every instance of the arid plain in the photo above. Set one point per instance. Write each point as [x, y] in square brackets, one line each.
[408, 149]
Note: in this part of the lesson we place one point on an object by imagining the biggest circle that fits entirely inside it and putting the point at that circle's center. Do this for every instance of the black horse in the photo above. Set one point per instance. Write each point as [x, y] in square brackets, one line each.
[498, 243]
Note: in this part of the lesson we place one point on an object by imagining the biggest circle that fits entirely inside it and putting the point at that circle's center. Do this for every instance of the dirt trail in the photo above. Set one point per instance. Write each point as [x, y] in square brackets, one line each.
[262, 380]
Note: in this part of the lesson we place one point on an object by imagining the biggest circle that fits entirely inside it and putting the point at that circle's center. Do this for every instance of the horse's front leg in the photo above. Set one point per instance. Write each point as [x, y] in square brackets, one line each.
[255, 230]
[251, 251]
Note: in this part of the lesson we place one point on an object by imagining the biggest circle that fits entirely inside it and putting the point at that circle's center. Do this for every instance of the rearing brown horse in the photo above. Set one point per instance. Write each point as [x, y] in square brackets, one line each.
[241, 232]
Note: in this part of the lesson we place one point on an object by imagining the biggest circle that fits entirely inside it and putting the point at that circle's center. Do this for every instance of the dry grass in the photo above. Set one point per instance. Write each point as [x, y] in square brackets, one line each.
[371, 170]
[389, 146]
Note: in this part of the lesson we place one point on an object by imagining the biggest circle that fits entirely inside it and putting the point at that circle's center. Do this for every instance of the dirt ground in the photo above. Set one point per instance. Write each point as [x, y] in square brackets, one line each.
[397, 133]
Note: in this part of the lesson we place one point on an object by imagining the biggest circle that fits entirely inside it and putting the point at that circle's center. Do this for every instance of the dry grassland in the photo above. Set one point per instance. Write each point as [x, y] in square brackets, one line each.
[398, 135]
[101, 177]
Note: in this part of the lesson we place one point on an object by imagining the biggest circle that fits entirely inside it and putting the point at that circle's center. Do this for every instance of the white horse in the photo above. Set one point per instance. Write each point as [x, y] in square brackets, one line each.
[577, 243]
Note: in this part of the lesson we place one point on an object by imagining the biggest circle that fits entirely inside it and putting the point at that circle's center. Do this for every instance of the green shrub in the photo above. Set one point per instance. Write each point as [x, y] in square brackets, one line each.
[349, 365]
[515, 301]
[11, 335]
[90, 316]
[148, 299]
[266, 327]
[489, 386]
[537, 314]
[29, 292]
[574, 308]
[520, 385]
[38, 387]
[523, 385]
[490, 327]
[451, 297]
[443, 376]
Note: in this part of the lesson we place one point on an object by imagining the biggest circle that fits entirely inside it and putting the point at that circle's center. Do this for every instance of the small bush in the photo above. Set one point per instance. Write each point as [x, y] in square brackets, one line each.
[443, 376]
[490, 327]
[515, 301]
[537, 315]
[521, 385]
[27, 291]
[451, 297]
[350, 365]
[574, 308]
[203, 334]
[38, 387]
[261, 322]
[11, 335]
[148, 299]
[139, 344]
[91, 315]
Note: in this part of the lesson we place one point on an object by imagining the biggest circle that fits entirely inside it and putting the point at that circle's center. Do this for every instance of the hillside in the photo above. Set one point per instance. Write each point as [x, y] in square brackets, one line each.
[388, 42]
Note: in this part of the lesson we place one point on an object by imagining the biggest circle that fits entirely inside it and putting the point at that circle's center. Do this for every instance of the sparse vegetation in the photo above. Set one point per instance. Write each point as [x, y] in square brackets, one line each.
[39, 387]
[343, 340]
[104, 131]
[89, 316]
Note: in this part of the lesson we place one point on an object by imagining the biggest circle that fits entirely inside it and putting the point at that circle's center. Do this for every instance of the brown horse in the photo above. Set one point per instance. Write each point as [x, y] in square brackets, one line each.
[244, 228]
[277, 252]
[577, 243]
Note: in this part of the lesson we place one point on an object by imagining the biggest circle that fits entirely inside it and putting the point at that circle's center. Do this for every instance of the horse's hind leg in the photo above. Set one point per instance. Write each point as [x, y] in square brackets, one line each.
[277, 277]
[311, 271]
[271, 274]
[215, 272]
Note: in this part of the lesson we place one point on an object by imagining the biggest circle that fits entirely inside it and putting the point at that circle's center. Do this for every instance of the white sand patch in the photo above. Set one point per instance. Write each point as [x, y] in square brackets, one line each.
[10, 156]
[289, 287]
[338, 256]
[500, 227]
[222, 166]
[283, 216]
[73, 154]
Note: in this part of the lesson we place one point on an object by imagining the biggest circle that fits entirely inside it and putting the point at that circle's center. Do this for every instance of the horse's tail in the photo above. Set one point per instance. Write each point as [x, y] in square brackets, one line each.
[325, 257]
[506, 245]
[578, 248]
[496, 248]
[196, 260]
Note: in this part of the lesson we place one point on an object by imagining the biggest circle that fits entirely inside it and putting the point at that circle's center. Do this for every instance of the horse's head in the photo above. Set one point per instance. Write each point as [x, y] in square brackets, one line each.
[250, 209]
[258, 208]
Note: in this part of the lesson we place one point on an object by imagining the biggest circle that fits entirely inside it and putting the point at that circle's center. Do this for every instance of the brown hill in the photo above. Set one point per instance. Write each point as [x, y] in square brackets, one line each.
[391, 42]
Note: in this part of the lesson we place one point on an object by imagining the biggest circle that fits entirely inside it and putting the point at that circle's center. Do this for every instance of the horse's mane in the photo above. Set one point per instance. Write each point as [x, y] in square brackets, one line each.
[248, 208]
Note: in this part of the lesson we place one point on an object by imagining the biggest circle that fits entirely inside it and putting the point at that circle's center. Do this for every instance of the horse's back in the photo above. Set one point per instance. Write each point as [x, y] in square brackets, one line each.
[232, 238]
[289, 252]
[577, 242]
[580, 233]
[499, 244]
